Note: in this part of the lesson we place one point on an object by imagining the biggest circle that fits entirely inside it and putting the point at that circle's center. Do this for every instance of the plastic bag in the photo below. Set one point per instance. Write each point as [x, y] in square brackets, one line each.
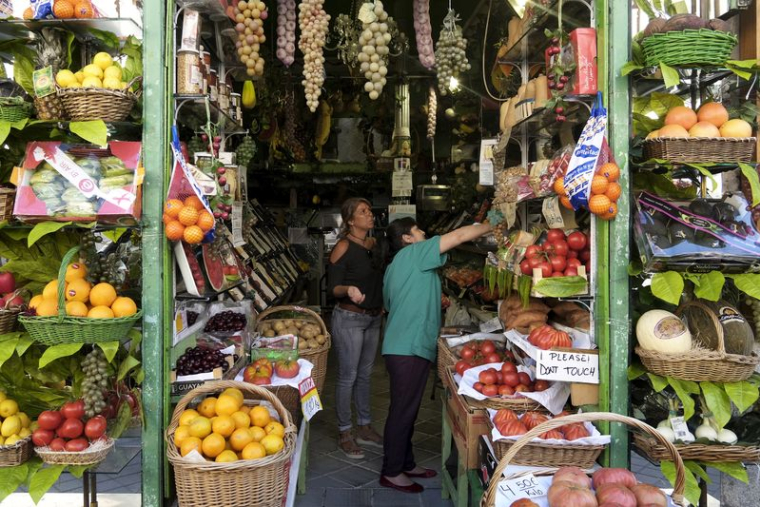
[585, 157]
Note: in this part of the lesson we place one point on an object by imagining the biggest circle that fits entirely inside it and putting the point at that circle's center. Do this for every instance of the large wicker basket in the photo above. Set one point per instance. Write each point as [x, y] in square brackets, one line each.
[318, 356]
[518, 403]
[689, 48]
[7, 197]
[99, 103]
[290, 399]
[489, 497]
[64, 329]
[87, 457]
[701, 150]
[446, 358]
[655, 451]
[262, 482]
[16, 454]
[699, 365]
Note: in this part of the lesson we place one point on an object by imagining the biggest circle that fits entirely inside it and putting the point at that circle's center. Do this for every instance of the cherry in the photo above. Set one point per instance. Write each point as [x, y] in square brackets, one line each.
[550, 77]
[222, 181]
[560, 86]
[552, 85]
[564, 79]
[221, 171]
[561, 118]
[559, 110]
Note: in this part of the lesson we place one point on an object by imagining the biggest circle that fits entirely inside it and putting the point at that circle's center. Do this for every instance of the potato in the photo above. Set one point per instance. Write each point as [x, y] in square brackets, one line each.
[303, 345]
[307, 334]
[266, 326]
[279, 326]
[298, 323]
[292, 330]
[313, 344]
[269, 333]
[320, 339]
[287, 323]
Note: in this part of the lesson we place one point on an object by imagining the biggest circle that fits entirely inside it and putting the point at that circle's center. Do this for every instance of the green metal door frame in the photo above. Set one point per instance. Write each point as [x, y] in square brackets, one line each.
[154, 246]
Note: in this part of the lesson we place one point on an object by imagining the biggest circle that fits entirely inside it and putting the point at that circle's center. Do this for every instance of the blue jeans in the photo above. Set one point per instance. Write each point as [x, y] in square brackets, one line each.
[355, 337]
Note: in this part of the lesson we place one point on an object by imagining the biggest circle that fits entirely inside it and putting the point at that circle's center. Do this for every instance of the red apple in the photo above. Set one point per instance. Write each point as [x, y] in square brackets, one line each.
[7, 282]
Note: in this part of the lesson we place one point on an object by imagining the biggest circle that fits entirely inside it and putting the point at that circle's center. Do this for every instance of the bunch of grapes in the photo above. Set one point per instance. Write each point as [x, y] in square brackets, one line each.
[200, 360]
[245, 151]
[95, 368]
[100, 267]
[192, 317]
[450, 52]
[226, 321]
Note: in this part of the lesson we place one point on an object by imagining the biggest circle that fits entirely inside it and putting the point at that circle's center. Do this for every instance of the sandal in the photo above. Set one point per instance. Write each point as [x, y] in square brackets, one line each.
[347, 444]
[368, 436]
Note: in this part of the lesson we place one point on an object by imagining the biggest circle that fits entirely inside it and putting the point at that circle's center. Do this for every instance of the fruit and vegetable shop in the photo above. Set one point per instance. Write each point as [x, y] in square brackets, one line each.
[307, 253]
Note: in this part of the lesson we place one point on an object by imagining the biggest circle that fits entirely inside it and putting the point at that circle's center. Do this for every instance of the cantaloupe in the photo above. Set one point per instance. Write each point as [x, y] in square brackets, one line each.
[663, 331]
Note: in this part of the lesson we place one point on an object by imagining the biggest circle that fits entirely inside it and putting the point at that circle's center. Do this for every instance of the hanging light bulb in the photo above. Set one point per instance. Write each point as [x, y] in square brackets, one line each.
[453, 84]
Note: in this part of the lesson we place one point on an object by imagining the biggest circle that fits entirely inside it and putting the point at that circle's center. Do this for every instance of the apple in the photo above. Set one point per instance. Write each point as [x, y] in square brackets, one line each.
[11, 300]
[7, 282]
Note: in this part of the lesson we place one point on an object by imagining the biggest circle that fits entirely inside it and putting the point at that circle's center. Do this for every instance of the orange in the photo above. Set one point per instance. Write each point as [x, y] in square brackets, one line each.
[673, 131]
[205, 221]
[123, 307]
[47, 308]
[610, 170]
[704, 129]
[200, 427]
[213, 445]
[35, 301]
[241, 420]
[226, 457]
[714, 112]
[275, 428]
[599, 204]
[224, 425]
[254, 450]
[83, 10]
[681, 115]
[272, 443]
[260, 416]
[245, 409]
[195, 202]
[100, 312]
[235, 393]
[181, 434]
[736, 128]
[227, 405]
[28, 13]
[599, 184]
[190, 444]
[187, 417]
[192, 235]
[76, 309]
[63, 9]
[653, 134]
[174, 230]
[565, 201]
[207, 407]
[103, 294]
[240, 438]
[188, 216]
[75, 271]
[51, 290]
[166, 219]
[611, 213]
[613, 191]
[173, 207]
[78, 290]
[257, 433]
[559, 186]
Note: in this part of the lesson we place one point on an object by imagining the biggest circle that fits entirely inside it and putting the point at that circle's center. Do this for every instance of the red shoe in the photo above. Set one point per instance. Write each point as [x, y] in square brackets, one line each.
[412, 488]
[427, 474]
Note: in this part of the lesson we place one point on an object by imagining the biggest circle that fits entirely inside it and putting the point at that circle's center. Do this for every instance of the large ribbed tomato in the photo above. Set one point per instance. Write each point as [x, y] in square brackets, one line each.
[569, 494]
[573, 474]
[546, 337]
[533, 419]
[574, 431]
[523, 502]
[613, 476]
[646, 494]
[504, 415]
[617, 494]
[512, 428]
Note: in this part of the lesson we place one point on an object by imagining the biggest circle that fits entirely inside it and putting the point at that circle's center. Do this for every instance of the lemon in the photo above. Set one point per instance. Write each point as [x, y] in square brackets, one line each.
[80, 76]
[51, 290]
[12, 439]
[273, 444]
[74, 85]
[113, 71]
[64, 78]
[102, 60]
[93, 70]
[25, 432]
[8, 408]
[92, 82]
[11, 426]
[25, 421]
[76, 309]
[111, 83]
[124, 85]
[75, 271]
[226, 457]
[3, 396]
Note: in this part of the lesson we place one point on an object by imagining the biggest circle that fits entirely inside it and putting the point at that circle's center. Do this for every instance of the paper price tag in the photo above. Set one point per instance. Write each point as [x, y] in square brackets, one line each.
[552, 213]
[523, 487]
[485, 163]
[490, 326]
[681, 430]
[237, 224]
[310, 401]
[402, 184]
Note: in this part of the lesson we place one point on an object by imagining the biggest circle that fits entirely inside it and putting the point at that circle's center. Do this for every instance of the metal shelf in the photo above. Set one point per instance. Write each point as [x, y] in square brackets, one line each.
[202, 109]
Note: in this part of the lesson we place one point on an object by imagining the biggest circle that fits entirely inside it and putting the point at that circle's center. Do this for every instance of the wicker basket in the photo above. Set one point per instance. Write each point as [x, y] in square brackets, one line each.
[541, 454]
[318, 356]
[489, 497]
[65, 329]
[262, 482]
[9, 317]
[446, 358]
[290, 399]
[699, 365]
[13, 109]
[698, 452]
[518, 404]
[16, 454]
[701, 150]
[99, 103]
[75, 458]
[7, 196]
[694, 48]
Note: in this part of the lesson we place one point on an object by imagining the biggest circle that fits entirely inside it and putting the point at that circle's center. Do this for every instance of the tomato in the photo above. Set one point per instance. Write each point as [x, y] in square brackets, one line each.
[646, 494]
[58, 444]
[493, 358]
[499, 378]
[574, 475]
[555, 234]
[462, 366]
[478, 386]
[77, 445]
[568, 493]
[574, 263]
[508, 367]
[49, 420]
[522, 388]
[541, 385]
[546, 269]
[525, 268]
[572, 254]
[558, 274]
[585, 255]
[512, 379]
[574, 432]
[610, 475]
[557, 247]
[524, 378]
[534, 262]
[287, 369]
[487, 377]
[505, 390]
[490, 390]
[41, 437]
[532, 251]
[617, 494]
[487, 347]
[466, 353]
[71, 428]
[577, 241]
[73, 410]
[533, 419]
[546, 337]
[95, 427]
[512, 428]
[558, 262]
[504, 415]
[571, 272]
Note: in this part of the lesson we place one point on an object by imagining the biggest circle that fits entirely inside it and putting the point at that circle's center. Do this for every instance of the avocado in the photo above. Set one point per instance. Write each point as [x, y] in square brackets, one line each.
[680, 232]
[724, 212]
[701, 208]
[707, 240]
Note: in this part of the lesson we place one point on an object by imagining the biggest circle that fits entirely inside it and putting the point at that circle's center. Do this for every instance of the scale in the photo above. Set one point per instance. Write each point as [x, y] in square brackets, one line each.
[433, 197]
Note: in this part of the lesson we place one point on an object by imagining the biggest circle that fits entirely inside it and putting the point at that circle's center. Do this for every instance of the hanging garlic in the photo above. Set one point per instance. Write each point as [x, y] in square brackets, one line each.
[313, 21]
[286, 31]
[373, 41]
[431, 113]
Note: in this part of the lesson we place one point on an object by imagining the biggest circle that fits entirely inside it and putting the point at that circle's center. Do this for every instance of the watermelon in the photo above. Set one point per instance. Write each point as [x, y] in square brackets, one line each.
[214, 265]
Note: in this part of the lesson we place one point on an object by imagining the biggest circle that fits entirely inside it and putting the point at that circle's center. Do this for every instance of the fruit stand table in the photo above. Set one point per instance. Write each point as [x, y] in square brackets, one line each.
[116, 461]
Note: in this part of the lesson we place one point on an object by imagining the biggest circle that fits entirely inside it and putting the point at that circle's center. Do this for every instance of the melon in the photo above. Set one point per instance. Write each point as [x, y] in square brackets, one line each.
[214, 265]
[738, 337]
[663, 331]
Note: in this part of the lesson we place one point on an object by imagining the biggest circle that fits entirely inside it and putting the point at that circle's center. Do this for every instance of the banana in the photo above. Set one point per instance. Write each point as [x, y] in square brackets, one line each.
[249, 95]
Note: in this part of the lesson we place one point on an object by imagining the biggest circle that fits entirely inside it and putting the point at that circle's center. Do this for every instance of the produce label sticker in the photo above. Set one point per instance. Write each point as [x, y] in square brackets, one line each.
[526, 486]
[681, 430]
[237, 224]
[43, 82]
[568, 366]
[310, 401]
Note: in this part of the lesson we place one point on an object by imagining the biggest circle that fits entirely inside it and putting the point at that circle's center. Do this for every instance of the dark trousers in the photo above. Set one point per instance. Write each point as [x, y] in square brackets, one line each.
[408, 376]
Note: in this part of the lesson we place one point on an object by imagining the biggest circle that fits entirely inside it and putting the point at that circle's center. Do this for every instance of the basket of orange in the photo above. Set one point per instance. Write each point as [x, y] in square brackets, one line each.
[187, 219]
[232, 448]
[72, 310]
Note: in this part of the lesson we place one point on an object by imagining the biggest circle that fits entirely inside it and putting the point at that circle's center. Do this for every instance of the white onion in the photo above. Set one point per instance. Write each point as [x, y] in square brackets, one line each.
[313, 21]
[286, 31]
[374, 40]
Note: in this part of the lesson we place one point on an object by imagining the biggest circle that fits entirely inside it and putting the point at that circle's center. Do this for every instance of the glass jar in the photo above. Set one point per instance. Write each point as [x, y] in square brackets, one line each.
[188, 72]
[234, 106]
[213, 90]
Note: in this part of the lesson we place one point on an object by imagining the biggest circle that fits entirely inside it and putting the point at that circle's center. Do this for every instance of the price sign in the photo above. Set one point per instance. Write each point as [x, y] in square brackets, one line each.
[237, 224]
[526, 486]
[485, 164]
[402, 184]
[568, 366]
[490, 325]
[310, 402]
[681, 430]
[552, 213]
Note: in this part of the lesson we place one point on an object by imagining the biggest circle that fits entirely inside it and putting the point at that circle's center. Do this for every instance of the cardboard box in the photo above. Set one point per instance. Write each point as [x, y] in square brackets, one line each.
[584, 394]
[488, 460]
[467, 424]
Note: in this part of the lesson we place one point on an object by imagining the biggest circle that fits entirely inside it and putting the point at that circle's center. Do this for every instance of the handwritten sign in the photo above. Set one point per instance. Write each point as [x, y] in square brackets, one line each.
[310, 401]
[526, 486]
[568, 366]
[553, 213]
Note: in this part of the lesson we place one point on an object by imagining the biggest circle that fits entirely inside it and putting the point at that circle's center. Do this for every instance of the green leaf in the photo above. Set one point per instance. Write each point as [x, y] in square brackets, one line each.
[5, 129]
[705, 172]
[708, 285]
[139, 375]
[691, 491]
[683, 394]
[11, 478]
[23, 68]
[135, 338]
[658, 103]
[670, 75]
[94, 131]
[7, 348]
[109, 349]
[658, 383]
[698, 470]
[748, 283]
[107, 39]
[630, 67]
[561, 286]
[635, 371]
[59, 351]
[24, 342]
[646, 7]
[717, 402]
[78, 470]
[668, 286]
[43, 480]
[751, 174]
[43, 228]
[126, 366]
[661, 186]
[123, 418]
[746, 75]
[635, 268]
[742, 394]
[734, 469]
[752, 63]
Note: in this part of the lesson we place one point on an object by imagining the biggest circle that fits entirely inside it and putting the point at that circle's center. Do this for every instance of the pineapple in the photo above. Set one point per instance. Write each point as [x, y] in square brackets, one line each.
[50, 52]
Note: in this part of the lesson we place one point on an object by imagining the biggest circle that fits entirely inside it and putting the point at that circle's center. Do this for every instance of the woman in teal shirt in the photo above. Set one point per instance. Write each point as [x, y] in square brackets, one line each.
[412, 297]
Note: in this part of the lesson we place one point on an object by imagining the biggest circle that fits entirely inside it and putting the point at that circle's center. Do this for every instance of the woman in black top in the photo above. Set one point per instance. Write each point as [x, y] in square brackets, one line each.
[355, 278]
